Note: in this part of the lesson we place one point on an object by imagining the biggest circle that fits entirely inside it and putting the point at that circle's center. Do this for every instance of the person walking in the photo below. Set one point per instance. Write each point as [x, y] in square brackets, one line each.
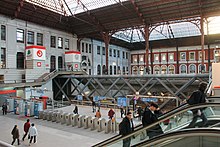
[198, 97]
[148, 118]
[4, 109]
[15, 135]
[111, 113]
[27, 125]
[93, 106]
[98, 114]
[125, 128]
[75, 111]
[33, 133]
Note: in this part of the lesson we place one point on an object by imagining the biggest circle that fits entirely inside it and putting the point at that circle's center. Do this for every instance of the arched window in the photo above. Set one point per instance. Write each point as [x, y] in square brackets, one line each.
[183, 69]
[156, 69]
[171, 69]
[103, 69]
[200, 68]
[60, 62]
[52, 63]
[98, 70]
[134, 70]
[192, 68]
[20, 60]
[110, 70]
[163, 69]
[141, 69]
[115, 70]
[124, 70]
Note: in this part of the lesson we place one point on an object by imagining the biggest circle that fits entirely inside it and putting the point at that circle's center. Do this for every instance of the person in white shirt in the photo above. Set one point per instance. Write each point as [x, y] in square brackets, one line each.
[33, 133]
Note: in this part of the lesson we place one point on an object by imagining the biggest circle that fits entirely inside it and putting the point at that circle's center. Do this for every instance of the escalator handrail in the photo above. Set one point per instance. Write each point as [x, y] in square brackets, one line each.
[163, 118]
[141, 126]
[192, 132]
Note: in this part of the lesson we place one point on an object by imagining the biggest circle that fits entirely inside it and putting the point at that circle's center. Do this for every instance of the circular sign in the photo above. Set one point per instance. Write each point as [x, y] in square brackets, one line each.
[39, 53]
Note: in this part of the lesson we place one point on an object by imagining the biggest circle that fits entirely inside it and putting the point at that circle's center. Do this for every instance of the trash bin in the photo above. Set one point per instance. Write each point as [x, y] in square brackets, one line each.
[93, 123]
[80, 120]
[86, 122]
[68, 120]
[74, 120]
[101, 124]
[49, 115]
[108, 126]
[40, 116]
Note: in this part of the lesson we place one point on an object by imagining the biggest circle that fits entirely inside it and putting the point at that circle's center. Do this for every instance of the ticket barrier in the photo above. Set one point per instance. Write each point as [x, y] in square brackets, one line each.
[49, 115]
[86, 121]
[80, 121]
[45, 114]
[40, 115]
[58, 114]
[67, 118]
[74, 120]
[93, 123]
[63, 118]
[114, 127]
[54, 116]
[101, 124]
[108, 126]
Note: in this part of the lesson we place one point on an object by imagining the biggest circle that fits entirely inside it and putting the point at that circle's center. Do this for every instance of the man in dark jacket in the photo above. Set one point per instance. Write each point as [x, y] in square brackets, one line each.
[198, 97]
[4, 109]
[148, 118]
[126, 127]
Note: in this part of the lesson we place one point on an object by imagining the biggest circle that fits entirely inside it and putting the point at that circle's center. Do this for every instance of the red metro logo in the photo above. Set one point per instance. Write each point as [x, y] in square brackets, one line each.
[39, 53]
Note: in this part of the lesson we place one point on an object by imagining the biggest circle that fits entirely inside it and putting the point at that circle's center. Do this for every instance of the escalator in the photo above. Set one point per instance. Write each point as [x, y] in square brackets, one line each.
[179, 119]
[197, 137]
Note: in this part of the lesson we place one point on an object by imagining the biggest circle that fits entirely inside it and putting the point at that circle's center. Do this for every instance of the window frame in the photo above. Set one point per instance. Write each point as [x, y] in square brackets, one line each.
[20, 39]
[60, 42]
[67, 44]
[30, 34]
[3, 32]
[53, 41]
[40, 39]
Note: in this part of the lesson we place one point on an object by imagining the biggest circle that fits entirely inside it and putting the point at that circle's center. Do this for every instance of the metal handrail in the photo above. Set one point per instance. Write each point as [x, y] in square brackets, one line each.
[209, 132]
[163, 118]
